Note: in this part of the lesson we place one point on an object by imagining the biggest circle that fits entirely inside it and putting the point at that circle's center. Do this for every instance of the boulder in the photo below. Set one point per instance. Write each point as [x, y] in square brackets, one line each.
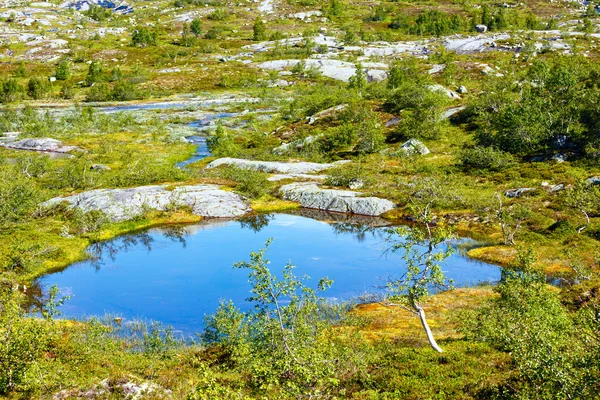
[326, 113]
[310, 195]
[463, 90]
[281, 177]
[412, 147]
[123, 204]
[512, 193]
[41, 144]
[445, 91]
[100, 167]
[481, 28]
[594, 180]
[275, 166]
[296, 144]
[356, 184]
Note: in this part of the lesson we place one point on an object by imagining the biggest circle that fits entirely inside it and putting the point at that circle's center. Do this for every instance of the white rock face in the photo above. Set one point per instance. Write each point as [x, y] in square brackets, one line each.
[123, 204]
[413, 146]
[306, 177]
[274, 166]
[41, 144]
[445, 91]
[296, 144]
[473, 44]
[334, 69]
[310, 195]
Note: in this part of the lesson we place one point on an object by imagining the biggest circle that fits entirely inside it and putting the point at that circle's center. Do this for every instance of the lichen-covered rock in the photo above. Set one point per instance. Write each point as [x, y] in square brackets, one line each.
[512, 193]
[41, 144]
[274, 166]
[281, 177]
[310, 195]
[124, 204]
[594, 180]
[412, 147]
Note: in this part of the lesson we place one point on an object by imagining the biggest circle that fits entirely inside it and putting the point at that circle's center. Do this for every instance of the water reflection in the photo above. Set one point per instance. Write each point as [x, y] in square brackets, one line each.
[178, 274]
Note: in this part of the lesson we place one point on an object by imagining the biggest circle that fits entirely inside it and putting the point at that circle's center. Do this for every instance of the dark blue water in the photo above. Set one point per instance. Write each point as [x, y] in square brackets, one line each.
[176, 277]
[202, 150]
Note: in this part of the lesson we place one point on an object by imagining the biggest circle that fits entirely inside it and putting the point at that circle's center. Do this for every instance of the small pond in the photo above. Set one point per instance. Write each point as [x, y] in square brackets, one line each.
[177, 275]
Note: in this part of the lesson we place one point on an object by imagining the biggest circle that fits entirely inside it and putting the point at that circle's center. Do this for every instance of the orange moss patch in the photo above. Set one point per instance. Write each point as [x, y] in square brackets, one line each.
[398, 324]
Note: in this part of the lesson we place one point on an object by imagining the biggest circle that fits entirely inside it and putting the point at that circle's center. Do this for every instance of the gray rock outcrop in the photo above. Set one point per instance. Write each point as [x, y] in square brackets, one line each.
[123, 204]
[41, 144]
[310, 195]
[512, 193]
[412, 147]
[594, 180]
[275, 167]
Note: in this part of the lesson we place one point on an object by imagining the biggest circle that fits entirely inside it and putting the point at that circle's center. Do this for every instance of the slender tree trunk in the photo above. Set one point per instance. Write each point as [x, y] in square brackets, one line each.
[430, 337]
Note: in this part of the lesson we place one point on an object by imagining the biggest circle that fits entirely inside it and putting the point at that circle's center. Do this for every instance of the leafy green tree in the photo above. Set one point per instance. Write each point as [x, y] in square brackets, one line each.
[98, 13]
[283, 340]
[358, 81]
[196, 27]
[143, 37]
[95, 73]
[20, 71]
[187, 39]
[403, 71]
[259, 30]
[421, 250]
[10, 91]
[511, 219]
[585, 199]
[38, 88]
[528, 321]
[63, 70]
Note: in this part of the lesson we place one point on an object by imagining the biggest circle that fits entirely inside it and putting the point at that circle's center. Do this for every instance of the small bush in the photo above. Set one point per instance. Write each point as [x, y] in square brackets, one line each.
[486, 158]
[252, 184]
[99, 92]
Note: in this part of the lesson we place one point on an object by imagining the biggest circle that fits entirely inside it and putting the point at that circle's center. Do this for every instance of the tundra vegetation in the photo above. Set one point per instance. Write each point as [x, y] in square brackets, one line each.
[505, 98]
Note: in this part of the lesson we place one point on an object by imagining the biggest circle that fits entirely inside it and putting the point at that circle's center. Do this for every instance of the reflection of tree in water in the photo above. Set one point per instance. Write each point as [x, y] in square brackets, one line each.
[359, 231]
[255, 222]
[175, 234]
[98, 251]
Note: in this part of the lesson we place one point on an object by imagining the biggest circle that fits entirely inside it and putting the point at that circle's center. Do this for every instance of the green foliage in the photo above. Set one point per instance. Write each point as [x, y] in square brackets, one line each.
[358, 81]
[38, 88]
[22, 340]
[420, 107]
[528, 321]
[430, 22]
[196, 27]
[222, 143]
[335, 8]
[551, 104]
[124, 90]
[250, 183]
[99, 92]
[405, 71]
[63, 70]
[187, 39]
[486, 159]
[283, 341]
[95, 73]
[66, 91]
[10, 91]
[98, 13]
[219, 14]
[259, 30]
[143, 37]
[18, 197]
[20, 71]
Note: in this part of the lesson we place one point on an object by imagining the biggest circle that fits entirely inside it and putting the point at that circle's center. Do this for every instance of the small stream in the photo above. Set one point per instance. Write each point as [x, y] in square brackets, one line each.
[177, 275]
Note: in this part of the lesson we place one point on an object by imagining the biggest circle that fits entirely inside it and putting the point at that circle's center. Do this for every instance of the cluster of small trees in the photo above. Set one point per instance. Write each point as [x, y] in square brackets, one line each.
[549, 107]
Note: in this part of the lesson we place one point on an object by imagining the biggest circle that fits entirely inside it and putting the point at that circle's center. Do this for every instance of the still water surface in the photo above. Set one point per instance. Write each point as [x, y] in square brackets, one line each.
[176, 276]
